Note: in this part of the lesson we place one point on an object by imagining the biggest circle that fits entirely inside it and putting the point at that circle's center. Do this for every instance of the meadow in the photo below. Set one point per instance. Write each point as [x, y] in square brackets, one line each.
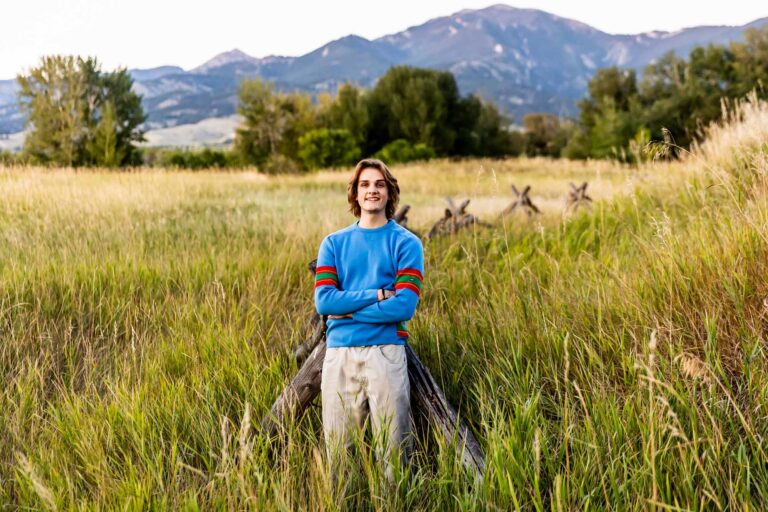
[609, 359]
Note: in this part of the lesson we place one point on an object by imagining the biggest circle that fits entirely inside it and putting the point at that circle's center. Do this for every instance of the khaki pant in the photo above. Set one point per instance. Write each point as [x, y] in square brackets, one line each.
[359, 380]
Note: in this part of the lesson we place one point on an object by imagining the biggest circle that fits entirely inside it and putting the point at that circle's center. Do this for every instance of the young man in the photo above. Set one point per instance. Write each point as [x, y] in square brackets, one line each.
[369, 278]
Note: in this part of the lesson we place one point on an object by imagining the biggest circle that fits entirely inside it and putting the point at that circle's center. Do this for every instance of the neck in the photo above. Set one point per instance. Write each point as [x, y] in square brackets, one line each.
[372, 219]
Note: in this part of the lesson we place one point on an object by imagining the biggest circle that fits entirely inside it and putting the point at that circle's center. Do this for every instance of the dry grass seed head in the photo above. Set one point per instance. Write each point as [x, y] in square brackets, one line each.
[693, 368]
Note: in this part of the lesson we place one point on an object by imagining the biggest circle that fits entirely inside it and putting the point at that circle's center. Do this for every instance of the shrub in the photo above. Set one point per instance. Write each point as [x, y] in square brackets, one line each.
[8, 158]
[401, 151]
[279, 164]
[328, 147]
[195, 159]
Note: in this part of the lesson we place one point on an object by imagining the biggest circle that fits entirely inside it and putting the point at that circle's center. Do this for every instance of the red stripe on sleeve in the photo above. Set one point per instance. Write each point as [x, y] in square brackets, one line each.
[410, 272]
[410, 286]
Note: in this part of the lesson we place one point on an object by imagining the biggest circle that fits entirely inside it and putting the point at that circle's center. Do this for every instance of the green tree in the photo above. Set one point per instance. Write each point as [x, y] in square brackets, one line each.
[750, 63]
[482, 130]
[418, 105]
[104, 148]
[541, 131]
[53, 98]
[609, 115]
[272, 122]
[578, 145]
[298, 115]
[64, 99]
[347, 111]
[679, 98]
[128, 114]
[495, 138]
[326, 147]
[675, 99]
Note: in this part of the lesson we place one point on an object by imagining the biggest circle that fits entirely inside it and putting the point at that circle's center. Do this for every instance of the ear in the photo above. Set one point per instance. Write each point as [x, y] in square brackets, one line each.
[448, 213]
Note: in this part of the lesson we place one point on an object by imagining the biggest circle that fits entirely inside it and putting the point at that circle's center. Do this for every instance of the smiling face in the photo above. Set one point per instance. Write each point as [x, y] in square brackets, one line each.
[372, 193]
[380, 194]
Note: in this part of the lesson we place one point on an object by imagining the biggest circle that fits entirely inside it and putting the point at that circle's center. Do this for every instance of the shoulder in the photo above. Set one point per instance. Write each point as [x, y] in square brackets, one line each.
[406, 235]
[406, 240]
[339, 235]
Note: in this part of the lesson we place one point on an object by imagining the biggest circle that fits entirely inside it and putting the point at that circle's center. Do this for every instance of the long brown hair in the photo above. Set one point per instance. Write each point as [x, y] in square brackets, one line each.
[393, 189]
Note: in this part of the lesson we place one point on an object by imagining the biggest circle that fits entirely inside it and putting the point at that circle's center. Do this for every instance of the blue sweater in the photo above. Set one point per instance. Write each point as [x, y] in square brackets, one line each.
[352, 265]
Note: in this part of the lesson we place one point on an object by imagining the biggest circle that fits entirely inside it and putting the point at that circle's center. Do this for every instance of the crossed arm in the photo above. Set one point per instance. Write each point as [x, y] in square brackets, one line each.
[382, 295]
[382, 306]
[388, 306]
[371, 306]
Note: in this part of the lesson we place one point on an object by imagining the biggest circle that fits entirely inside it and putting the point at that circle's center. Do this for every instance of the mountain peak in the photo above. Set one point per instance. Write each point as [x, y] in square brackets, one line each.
[350, 41]
[224, 59]
[493, 8]
[503, 13]
[352, 38]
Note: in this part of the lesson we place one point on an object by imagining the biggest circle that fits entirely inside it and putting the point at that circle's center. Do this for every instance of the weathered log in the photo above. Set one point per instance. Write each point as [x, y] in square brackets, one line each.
[521, 201]
[455, 218]
[577, 197]
[428, 399]
[457, 210]
[316, 327]
[297, 396]
[401, 217]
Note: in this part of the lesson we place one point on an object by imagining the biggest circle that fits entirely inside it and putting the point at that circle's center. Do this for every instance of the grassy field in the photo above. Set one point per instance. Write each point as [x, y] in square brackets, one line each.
[610, 359]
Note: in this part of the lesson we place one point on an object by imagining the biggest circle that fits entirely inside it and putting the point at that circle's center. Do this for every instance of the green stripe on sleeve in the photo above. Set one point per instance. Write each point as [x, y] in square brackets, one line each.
[409, 279]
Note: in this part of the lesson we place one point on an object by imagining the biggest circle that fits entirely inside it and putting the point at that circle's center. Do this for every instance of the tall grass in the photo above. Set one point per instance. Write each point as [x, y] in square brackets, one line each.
[609, 359]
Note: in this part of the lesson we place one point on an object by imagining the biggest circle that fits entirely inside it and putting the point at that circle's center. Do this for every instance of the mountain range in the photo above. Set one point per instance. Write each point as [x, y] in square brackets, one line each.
[525, 60]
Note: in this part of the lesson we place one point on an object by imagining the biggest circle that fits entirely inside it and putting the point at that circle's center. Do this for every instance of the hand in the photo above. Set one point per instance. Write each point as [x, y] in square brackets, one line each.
[348, 315]
[385, 294]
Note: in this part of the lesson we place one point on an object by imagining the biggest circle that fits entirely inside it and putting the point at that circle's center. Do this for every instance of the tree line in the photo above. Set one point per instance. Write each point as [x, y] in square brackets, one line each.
[411, 113]
[79, 115]
[672, 102]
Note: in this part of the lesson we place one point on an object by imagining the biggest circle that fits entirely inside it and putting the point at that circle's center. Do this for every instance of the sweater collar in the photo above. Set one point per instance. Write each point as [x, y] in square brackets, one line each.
[389, 224]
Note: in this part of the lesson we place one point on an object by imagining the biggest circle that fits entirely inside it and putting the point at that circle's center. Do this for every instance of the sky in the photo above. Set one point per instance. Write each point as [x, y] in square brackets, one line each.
[149, 33]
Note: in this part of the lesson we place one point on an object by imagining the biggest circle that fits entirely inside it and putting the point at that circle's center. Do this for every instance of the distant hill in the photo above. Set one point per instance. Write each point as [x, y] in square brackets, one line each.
[525, 60]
